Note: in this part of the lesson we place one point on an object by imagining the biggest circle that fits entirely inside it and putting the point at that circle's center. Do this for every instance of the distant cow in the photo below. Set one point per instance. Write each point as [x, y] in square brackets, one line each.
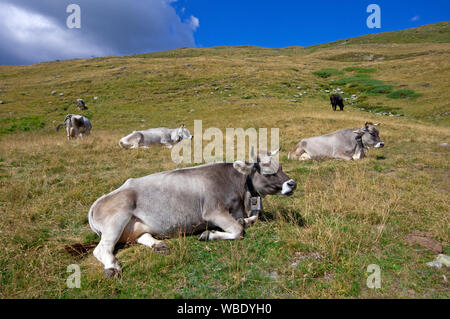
[81, 104]
[155, 136]
[76, 126]
[184, 201]
[336, 99]
[344, 144]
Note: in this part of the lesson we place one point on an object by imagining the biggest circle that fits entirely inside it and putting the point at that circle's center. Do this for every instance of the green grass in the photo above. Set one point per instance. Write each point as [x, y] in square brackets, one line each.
[25, 124]
[359, 79]
[402, 94]
[326, 73]
[359, 69]
[380, 89]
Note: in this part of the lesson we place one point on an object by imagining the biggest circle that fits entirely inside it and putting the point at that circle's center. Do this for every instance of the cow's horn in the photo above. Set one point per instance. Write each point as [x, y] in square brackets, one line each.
[273, 153]
[376, 124]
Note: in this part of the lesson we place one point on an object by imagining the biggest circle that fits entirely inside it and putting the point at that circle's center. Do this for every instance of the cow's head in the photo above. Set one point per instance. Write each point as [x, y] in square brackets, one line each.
[181, 134]
[267, 175]
[370, 135]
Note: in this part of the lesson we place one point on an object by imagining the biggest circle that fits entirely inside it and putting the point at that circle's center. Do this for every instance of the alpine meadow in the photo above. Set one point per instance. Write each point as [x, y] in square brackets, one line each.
[317, 243]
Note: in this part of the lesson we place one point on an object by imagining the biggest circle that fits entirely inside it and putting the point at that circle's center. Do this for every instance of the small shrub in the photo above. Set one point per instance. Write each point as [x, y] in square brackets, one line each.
[404, 93]
[326, 73]
[380, 89]
[378, 168]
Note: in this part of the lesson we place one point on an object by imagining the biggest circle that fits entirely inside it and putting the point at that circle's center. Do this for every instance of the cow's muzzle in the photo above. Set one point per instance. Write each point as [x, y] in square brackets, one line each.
[379, 145]
[288, 187]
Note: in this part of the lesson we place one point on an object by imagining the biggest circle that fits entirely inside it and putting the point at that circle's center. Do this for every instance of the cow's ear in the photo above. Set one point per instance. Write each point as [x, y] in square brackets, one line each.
[243, 167]
[359, 132]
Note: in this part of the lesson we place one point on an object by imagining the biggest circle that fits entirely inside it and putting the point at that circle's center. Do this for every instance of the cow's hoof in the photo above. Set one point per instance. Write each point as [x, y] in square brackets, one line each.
[161, 248]
[244, 222]
[112, 273]
[204, 236]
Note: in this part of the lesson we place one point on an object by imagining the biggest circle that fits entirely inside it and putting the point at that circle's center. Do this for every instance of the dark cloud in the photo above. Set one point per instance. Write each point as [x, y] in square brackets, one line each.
[34, 31]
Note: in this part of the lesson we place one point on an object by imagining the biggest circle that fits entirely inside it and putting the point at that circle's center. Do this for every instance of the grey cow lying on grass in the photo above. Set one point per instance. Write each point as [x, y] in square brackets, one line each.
[76, 126]
[187, 200]
[155, 136]
[345, 144]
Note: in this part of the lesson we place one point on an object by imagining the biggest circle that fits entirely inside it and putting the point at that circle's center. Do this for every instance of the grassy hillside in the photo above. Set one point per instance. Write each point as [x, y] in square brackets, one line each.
[316, 244]
[430, 33]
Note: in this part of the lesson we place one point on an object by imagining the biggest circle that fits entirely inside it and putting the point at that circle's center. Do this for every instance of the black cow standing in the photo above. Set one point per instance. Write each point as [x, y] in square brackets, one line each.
[336, 99]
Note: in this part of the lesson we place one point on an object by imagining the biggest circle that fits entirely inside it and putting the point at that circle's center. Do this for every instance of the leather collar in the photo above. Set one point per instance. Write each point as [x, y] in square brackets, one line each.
[250, 187]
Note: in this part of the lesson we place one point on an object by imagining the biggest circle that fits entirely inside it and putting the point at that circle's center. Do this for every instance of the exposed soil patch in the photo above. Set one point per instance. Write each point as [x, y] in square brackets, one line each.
[425, 240]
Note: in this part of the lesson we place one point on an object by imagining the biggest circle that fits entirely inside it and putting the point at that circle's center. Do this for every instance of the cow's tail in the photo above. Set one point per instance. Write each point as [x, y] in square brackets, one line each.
[59, 126]
[64, 123]
[91, 217]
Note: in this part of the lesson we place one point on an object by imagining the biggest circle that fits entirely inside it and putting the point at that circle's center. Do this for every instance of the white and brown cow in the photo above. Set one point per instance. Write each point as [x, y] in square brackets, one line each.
[188, 201]
[76, 126]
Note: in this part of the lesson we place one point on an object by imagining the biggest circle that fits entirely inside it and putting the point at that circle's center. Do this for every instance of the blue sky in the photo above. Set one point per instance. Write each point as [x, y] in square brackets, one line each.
[35, 31]
[295, 22]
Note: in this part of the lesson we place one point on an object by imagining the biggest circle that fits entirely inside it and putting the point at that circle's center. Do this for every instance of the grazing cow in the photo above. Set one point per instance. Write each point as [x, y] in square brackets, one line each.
[76, 126]
[81, 104]
[184, 201]
[344, 144]
[160, 136]
[336, 99]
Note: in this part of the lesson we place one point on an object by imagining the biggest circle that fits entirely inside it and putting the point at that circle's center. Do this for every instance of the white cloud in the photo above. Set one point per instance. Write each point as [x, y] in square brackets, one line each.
[35, 31]
[34, 37]
[194, 23]
[415, 18]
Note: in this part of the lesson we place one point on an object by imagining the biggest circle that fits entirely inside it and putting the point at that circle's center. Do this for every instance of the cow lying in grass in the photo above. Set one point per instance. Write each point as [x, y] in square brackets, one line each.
[345, 144]
[188, 201]
[76, 126]
[155, 136]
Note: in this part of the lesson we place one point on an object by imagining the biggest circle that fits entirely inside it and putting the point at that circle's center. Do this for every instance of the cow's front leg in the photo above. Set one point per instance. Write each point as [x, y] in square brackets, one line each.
[232, 229]
[73, 133]
[247, 222]
[157, 245]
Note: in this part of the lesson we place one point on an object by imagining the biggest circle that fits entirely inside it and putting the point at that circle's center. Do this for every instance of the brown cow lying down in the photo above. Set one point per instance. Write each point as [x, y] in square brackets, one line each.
[187, 200]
